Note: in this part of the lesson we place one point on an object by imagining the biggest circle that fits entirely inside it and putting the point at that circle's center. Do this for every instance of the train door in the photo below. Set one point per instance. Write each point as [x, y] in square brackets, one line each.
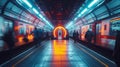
[98, 33]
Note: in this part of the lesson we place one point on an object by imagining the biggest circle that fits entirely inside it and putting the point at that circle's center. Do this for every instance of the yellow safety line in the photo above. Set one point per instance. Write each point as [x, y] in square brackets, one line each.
[94, 57]
[24, 57]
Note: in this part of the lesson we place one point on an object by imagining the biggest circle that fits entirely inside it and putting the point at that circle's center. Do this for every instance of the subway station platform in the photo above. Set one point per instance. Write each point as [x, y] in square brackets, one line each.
[59, 53]
[41, 33]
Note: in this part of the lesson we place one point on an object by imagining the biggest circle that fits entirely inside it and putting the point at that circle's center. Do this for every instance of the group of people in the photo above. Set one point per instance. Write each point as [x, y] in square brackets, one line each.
[9, 37]
[75, 36]
[39, 34]
[89, 35]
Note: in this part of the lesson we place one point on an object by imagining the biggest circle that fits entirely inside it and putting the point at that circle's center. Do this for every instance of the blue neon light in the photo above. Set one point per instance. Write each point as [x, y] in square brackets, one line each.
[69, 24]
[45, 20]
[93, 2]
[40, 16]
[22, 2]
[35, 10]
[27, 3]
[75, 19]
[84, 11]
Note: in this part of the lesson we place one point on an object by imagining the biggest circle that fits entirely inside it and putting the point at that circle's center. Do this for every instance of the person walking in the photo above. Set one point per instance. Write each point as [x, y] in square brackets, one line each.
[89, 36]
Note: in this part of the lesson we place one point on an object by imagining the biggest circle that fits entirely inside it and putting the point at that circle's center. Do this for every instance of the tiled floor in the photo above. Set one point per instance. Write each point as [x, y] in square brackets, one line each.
[62, 53]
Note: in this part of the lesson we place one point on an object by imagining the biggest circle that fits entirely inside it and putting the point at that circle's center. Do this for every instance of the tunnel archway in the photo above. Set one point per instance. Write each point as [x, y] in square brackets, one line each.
[57, 30]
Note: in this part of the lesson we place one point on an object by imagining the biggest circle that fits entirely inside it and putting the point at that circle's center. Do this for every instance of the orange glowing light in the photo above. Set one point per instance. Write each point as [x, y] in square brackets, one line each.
[17, 27]
[30, 37]
[30, 28]
[59, 53]
[62, 28]
[20, 39]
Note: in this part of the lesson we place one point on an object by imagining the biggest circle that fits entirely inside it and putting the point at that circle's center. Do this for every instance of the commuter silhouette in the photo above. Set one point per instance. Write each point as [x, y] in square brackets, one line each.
[36, 34]
[59, 33]
[47, 34]
[75, 36]
[89, 36]
[9, 38]
[36, 37]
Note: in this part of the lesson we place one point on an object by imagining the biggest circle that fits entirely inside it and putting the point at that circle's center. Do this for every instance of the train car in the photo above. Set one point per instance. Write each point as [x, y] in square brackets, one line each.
[105, 32]
[104, 22]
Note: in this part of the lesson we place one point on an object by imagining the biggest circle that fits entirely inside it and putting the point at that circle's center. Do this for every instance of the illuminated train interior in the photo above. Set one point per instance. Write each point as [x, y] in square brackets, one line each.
[59, 33]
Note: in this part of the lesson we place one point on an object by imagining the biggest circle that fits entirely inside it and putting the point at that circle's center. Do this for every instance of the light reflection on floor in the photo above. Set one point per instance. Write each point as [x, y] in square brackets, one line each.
[59, 53]
[62, 53]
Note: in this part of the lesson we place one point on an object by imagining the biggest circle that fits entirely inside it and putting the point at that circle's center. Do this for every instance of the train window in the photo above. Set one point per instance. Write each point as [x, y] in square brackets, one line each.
[88, 17]
[79, 22]
[113, 3]
[114, 6]
[16, 9]
[10, 5]
[90, 20]
[5, 25]
[100, 10]
[24, 14]
[117, 10]
[22, 29]
[98, 26]
[105, 27]
[114, 26]
[8, 25]
[23, 19]
[103, 15]
[28, 15]
[9, 14]
[93, 17]
[2, 2]
[84, 20]
[1, 26]
[31, 18]
[36, 21]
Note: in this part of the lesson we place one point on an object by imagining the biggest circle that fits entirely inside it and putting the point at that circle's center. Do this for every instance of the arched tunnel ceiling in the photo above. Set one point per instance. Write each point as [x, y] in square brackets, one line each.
[59, 11]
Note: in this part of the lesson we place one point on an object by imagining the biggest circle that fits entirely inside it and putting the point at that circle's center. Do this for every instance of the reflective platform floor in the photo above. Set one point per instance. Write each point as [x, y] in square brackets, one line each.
[61, 53]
